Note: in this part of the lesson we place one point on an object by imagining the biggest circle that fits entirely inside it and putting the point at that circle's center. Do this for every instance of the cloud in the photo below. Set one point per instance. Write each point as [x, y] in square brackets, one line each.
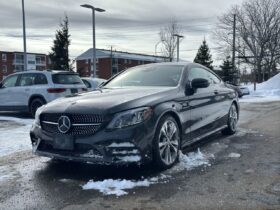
[126, 24]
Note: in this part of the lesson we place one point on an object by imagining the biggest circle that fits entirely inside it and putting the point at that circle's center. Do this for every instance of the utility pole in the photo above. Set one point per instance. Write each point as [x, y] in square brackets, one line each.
[233, 44]
[178, 41]
[24, 37]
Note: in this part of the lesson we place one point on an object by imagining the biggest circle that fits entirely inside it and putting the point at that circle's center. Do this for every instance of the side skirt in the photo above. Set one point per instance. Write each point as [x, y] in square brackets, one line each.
[188, 143]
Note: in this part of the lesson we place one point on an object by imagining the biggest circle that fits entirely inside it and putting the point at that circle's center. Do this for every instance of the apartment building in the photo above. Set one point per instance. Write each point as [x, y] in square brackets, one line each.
[11, 62]
[109, 63]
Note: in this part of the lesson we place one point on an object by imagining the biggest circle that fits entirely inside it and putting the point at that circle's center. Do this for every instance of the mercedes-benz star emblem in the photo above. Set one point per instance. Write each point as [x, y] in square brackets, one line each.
[64, 124]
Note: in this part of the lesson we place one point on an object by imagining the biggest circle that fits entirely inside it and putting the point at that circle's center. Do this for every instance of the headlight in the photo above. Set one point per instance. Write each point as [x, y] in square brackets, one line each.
[130, 117]
[37, 115]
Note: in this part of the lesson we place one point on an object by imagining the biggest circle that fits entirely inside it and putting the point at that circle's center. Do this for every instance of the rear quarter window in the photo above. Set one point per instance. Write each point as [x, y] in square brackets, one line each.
[66, 79]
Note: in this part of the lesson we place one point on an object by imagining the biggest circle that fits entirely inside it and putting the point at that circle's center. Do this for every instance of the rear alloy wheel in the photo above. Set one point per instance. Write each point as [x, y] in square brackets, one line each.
[167, 142]
[34, 105]
[232, 121]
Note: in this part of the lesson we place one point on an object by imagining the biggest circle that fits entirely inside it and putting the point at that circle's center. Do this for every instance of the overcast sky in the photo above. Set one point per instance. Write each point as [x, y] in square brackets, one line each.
[128, 25]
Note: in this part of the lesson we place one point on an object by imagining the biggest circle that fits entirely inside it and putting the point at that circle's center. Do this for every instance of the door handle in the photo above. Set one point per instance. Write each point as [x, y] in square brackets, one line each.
[27, 89]
[216, 92]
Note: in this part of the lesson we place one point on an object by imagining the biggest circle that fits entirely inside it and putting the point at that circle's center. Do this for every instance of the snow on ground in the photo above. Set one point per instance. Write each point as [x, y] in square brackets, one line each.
[266, 91]
[14, 136]
[118, 187]
[6, 174]
[234, 155]
[115, 186]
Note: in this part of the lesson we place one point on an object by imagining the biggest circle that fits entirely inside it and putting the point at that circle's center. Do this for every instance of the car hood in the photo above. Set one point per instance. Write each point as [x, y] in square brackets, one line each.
[108, 101]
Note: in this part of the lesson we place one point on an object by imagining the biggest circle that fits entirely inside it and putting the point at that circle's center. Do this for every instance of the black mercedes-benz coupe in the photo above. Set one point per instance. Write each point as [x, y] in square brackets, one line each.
[146, 113]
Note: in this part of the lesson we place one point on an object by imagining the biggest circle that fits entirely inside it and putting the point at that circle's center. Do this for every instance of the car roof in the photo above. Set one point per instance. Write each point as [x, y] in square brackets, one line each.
[48, 71]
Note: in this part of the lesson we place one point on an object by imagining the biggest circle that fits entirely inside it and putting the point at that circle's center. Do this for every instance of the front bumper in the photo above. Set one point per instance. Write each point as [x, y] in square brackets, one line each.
[121, 146]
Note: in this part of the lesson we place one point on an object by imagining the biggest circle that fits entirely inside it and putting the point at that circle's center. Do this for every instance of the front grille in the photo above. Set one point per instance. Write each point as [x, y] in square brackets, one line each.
[82, 124]
[75, 118]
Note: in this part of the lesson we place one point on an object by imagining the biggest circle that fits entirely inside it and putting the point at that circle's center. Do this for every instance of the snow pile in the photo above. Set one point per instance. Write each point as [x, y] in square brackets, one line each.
[192, 160]
[14, 137]
[234, 155]
[115, 186]
[118, 186]
[272, 84]
[266, 91]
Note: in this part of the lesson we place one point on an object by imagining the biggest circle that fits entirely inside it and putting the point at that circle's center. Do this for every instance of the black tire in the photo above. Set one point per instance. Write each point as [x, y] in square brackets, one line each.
[232, 121]
[34, 105]
[168, 145]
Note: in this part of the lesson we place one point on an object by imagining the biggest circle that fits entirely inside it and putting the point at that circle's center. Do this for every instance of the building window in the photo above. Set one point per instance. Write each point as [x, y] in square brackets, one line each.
[125, 61]
[18, 68]
[40, 60]
[19, 59]
[4, 69]
[129, 61]
[139, 62]
[4, 57]
[31, 62]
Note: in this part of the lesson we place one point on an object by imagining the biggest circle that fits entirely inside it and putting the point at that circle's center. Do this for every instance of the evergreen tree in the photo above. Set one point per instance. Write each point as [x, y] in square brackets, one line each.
[60, 51]
[227, 73]
[203, 56]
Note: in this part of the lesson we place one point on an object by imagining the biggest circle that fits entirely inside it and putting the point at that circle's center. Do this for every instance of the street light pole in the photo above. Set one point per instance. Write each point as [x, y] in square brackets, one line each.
[93, 35]
[93, 43]
[24, 37]
[178, 41]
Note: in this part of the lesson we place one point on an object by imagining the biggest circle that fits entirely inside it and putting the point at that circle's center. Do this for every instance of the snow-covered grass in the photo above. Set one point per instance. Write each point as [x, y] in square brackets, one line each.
[119, 187]
[265, 92]
[14, 137]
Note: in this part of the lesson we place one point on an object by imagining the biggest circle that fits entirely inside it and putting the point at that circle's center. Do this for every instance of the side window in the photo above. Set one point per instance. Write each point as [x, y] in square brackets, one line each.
[40, 79]
[213, 78]
[10, 81]
[196, 73]
[27, 80]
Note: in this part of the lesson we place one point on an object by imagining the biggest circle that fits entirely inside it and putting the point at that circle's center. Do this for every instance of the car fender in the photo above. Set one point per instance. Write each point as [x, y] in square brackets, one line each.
[168, 108]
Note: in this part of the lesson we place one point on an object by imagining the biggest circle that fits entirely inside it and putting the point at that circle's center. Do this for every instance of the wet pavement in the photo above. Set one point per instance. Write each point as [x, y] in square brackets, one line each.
[244, 174]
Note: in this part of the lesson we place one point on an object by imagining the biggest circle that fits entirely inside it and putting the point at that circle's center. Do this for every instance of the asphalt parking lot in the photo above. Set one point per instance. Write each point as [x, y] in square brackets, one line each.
[242, 173]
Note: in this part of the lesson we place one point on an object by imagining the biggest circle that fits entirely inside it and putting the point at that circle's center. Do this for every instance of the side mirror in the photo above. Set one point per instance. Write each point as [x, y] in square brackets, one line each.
[200, 83]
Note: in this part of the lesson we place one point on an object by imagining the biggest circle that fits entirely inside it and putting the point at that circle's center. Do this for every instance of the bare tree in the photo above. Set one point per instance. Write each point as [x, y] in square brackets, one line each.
[168, 39]
[257, 26]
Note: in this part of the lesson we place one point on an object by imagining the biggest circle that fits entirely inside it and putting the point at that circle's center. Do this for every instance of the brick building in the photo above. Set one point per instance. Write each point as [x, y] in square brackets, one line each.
[11, 62]
[109, 63]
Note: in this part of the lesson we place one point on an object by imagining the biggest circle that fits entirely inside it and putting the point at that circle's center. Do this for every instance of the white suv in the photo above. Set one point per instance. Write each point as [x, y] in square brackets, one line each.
[27, 91]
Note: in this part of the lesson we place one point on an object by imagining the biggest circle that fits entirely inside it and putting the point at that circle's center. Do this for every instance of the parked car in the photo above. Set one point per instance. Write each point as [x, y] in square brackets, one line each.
[27, 91]
[236, 89]
[146, 113]
[244, 90]
[92, 83]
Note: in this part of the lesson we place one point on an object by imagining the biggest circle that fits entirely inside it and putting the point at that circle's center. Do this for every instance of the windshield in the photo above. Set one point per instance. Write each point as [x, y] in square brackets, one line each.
[155, 75]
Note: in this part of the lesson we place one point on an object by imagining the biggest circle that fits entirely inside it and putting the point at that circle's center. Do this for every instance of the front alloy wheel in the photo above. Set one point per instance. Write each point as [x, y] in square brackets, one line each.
[232, 121]
[167, 142]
